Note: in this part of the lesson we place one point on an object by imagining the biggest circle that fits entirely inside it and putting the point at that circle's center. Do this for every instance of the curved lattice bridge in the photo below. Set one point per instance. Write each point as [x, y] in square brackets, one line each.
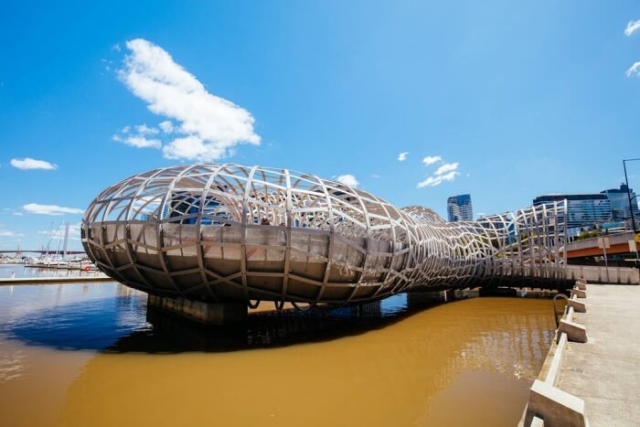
[231, 233]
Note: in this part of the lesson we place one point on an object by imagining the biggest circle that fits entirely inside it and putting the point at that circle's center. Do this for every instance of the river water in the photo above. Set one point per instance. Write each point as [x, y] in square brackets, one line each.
[86, 355]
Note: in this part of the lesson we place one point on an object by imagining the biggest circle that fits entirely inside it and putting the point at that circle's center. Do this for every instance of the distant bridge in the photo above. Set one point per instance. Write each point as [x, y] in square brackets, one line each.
[619, 244]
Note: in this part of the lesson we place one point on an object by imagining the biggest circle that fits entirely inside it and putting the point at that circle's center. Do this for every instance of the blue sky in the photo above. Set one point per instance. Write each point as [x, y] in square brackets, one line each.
[503, 100]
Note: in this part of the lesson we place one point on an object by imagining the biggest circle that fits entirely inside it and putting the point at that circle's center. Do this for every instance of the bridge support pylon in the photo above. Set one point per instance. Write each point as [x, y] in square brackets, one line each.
[198, 311]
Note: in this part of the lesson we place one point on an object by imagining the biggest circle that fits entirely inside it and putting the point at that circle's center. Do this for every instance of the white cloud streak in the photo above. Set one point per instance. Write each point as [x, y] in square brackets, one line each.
[429, 160]
[632, 27]
[446, 172]
[447, 167]
[8, 233]
[210, 127]
[29, 164]
[402, 156]
[50, 209]
[436, 180]
[634, 69]
[145, 130]
[348, 179]
[139, 141]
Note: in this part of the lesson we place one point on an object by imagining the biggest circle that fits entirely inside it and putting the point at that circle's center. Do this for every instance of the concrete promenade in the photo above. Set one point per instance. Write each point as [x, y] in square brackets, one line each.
[605, 371]
[11, 281]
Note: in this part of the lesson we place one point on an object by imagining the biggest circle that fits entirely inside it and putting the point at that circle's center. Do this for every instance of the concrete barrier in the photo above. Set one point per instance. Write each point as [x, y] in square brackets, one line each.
[555, 407]
[575, 331]
[548, 405]
[578, 293]
[597, 274]
[578, 306]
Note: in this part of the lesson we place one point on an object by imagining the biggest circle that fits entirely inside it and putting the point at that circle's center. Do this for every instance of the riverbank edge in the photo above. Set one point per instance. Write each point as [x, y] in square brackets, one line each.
[546, 400]
[13, 281]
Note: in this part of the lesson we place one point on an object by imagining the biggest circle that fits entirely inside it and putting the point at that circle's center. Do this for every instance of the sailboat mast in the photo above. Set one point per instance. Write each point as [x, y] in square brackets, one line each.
[66, 240]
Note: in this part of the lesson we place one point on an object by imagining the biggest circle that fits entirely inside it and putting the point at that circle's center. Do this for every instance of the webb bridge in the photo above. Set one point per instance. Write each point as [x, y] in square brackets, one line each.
[227, 235]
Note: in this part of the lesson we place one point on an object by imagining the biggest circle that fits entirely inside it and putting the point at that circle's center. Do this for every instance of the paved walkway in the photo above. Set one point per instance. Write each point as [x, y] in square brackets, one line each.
[605, 372]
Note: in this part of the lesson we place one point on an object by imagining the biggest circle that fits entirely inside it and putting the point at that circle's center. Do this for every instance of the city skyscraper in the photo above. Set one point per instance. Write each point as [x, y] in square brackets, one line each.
[459, 208]
[619, 199]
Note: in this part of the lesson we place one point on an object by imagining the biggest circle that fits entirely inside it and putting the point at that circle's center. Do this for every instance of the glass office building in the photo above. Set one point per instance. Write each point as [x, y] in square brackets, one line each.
[584, 211]
[619, 199]
[459, 208]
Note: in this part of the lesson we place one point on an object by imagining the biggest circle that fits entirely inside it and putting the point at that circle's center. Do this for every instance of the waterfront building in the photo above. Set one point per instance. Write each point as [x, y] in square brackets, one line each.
[584, 211]
[619, 199]
[459, 208]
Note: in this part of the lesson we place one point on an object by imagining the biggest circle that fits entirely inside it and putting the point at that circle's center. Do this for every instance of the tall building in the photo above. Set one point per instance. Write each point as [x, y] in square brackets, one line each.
[459, 208]
[619, 199]
[584, 211]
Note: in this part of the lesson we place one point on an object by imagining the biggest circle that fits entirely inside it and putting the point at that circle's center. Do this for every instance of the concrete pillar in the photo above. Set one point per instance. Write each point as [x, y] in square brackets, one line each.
[556, 407]
[578, 293]
[575, 331]
[423, 297]
[578, 306]
[202, 312]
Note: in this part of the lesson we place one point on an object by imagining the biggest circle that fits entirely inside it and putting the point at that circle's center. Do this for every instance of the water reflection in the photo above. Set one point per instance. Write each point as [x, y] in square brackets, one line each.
[391, 363]
[84, 325]
[117, 325]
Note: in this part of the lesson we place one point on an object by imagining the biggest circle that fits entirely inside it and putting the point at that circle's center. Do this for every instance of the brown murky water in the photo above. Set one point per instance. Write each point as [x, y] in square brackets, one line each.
[84, 355]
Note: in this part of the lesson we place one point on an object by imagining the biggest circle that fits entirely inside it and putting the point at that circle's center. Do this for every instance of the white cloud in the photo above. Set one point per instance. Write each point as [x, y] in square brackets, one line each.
[429, 160]
[138, 141]
[402, 156]
[447, 167]
[7, 211]
[7, 233]
[632, 26]
[50, 209]
[211, 127]
[126, 129]
[145, 130]
[436, 180]
[166, 126]
[446, 172]
[348, 179]
[28, 163]
[192, 147]
[634, 69]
